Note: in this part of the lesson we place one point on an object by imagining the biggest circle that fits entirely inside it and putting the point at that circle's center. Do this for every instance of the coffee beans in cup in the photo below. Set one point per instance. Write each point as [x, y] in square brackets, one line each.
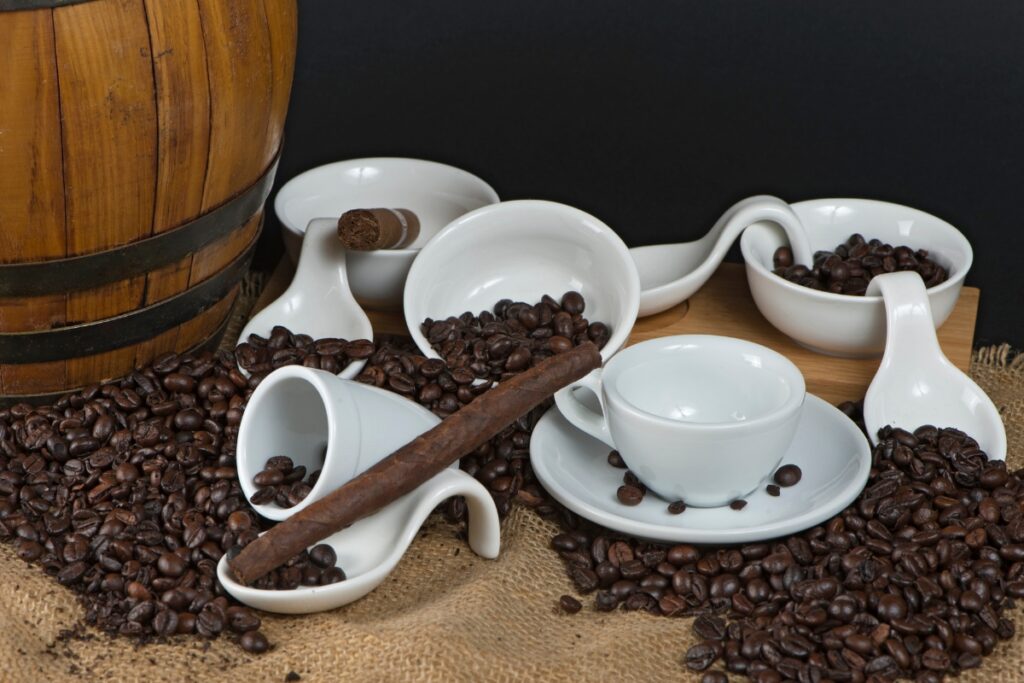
[850, 266]
[283, 484]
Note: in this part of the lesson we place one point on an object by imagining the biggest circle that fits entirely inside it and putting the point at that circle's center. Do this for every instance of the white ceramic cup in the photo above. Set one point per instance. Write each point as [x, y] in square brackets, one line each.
[321, 421]
[698, 418]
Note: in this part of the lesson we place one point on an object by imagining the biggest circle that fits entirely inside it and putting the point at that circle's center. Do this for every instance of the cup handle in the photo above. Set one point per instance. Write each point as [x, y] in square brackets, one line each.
[582, 417]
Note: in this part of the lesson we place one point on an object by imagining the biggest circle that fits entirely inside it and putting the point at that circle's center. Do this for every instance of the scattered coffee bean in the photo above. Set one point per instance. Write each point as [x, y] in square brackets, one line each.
[849, 268]
[676, 507]
[569, 604]
[615, 460]
[738, 504]
[773, 490]
[629, 495]
[254, 641]
[787, 475]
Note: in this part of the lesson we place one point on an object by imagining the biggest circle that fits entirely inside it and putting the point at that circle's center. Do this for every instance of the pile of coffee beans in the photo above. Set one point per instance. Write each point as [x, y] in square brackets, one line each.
[282, 483]
[910, 581]
[315, 567]
[513, 336]
[127, 492]
[259, 356]
[849, 268]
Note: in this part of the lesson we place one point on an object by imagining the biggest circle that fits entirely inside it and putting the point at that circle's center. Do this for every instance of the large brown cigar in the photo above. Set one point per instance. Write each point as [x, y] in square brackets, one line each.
[414, 463]
[369, 229]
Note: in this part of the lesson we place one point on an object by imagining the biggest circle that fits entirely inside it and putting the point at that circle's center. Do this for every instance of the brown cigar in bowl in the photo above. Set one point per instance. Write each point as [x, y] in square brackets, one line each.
[371, 229]
[416, 462]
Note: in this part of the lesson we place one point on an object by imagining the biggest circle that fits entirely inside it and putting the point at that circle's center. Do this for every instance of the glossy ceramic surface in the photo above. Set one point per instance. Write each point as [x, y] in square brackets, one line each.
[672, 273]
[436, 193]
[522, 250]
[697, 418]
[301, 412]
[916, 384]
[573, 468]
[838, 324]
[318, 302]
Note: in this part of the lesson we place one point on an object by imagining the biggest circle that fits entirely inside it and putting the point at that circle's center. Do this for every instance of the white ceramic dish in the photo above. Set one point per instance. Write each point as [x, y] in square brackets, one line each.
[318, 302]
[672, 273]
[916, 384]
[698, 418]
[522, 250]
[302, 413]
[370, 549]
[573, 468]
[838, 324]
[436, 193]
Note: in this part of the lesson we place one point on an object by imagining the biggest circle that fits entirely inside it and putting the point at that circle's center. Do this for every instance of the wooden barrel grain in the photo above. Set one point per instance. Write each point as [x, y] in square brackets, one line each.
[138, 143]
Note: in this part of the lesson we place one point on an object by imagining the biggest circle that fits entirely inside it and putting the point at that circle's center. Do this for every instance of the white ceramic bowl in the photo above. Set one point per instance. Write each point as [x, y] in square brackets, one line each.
[838, 324]
[436, 193]
[522, 250]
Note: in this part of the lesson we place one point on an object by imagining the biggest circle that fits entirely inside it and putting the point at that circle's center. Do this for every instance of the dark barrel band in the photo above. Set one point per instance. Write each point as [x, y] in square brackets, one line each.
[79, 273]
[17, 5]
[126, 329]
[209, 344]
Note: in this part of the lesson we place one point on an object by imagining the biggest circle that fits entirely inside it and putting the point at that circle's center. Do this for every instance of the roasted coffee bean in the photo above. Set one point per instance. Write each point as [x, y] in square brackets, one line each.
[630, 495]
[701, 656]
[254, 642]
[787, 475]
[323, 556]
[772, 490]
[615, 460]
[738, 504]
[569, 604]
[676, 507]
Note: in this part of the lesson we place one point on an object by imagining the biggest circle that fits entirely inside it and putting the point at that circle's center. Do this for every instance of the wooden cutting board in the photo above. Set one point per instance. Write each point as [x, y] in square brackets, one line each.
[724, 306]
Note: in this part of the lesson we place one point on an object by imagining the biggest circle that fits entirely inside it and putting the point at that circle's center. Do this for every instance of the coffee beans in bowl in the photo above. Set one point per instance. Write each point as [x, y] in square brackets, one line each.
[849, 267]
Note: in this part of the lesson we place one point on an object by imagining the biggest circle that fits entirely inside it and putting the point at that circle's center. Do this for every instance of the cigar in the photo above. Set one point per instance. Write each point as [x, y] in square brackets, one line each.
[369, 229]
[416, 462]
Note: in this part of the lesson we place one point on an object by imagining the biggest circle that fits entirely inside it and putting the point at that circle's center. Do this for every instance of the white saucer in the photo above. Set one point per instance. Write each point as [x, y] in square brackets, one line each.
[829, 448]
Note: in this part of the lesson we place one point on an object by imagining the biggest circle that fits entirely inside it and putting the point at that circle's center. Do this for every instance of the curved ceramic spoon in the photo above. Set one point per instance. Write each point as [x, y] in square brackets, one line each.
[916, 384]
[672, 273]
[369, 549]
[318, 302]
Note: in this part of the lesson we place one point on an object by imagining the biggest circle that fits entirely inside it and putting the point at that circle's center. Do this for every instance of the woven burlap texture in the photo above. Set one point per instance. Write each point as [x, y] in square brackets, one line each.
[444, 614]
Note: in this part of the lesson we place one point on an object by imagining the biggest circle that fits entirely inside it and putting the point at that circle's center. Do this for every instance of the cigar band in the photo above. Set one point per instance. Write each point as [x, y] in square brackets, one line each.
[405, 226]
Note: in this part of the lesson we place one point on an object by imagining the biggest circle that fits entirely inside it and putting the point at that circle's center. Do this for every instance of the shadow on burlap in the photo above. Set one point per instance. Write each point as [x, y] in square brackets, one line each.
[444, 614]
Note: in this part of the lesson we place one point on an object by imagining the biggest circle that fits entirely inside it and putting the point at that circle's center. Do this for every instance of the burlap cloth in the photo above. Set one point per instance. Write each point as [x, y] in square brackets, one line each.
[444, 614]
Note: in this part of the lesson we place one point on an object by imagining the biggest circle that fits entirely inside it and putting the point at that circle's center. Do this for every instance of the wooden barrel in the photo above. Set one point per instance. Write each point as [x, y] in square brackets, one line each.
[138, 143]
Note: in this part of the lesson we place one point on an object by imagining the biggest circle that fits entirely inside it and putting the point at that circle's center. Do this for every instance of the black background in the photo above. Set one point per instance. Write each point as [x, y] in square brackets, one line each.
[657, 115]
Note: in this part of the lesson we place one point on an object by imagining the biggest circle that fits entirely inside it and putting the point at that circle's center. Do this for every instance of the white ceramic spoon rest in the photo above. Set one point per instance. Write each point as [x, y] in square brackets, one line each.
[370, 549]
[318, 302]
[672, 273]
[916, 384]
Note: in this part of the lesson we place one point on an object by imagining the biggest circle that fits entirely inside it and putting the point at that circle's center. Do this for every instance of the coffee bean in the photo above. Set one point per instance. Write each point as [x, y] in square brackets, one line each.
[676, 507]
[787, 475]
[773, 490]
[254, 642]
[615, 460]
[738, 504]
[701, 656]
[630, 495]
[569, 604]
[714, 677]
[323, 556]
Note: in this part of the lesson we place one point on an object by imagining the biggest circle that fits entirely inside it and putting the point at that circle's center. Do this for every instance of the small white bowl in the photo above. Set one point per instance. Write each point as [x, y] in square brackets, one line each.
[839, 324]
[522, 250]
[436, 193]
